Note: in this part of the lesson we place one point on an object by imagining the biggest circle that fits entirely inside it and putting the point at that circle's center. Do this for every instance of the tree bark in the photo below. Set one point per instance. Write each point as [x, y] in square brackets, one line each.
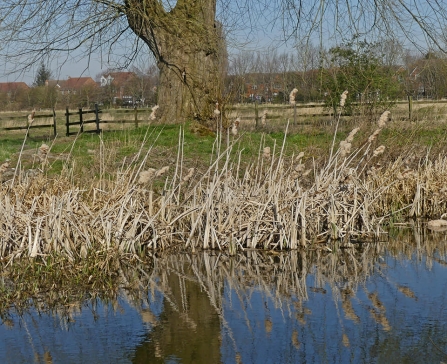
[190, 50]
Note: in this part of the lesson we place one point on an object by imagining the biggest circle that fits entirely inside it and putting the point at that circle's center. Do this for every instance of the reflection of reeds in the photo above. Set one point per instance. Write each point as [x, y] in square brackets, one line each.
[407, 292]
[281, 278]
[381, 319]
[378, 305]
[345, 340]
[295, 341]
[348, 309]
[268, 325]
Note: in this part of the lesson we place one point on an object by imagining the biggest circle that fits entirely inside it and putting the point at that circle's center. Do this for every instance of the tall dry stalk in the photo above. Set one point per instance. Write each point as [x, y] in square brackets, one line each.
[274, 203]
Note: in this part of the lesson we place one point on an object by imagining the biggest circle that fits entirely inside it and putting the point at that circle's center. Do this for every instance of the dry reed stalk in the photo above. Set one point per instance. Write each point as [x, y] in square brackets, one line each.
[264, 118]
[268, 207]
[235, 126]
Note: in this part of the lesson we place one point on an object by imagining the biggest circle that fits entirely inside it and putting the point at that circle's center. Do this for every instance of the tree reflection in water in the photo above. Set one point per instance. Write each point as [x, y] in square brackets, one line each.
[376, 302]
[382, 302]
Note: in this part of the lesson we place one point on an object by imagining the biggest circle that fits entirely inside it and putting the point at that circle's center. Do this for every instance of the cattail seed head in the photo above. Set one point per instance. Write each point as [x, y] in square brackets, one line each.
[406, 173]
[379, 150]
[299, 156]
[264, 118]
[266, 152]
[43, 150]
[146, 176]
[343, 97]
[299, 168]
[161, 171]
[4, 167]
[188, 176]
[292, 96]
[373, 136]
[383, 119]
[345, 148]
[216, 110]
[153, 114]
[42, 153]
[351, 135]
[31, 117]
[234, 127]
[306, 173]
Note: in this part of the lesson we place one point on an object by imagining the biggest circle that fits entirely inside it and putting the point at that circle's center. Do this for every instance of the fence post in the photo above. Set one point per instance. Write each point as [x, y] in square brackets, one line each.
[136, 117]
[294, 114]
[97, 118]
[54, 122]
[81, 122]
[67, 121]
[28, 125]
[256, 116]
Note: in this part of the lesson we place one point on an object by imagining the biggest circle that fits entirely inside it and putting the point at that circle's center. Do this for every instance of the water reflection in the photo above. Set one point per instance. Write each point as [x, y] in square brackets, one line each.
[372, 303]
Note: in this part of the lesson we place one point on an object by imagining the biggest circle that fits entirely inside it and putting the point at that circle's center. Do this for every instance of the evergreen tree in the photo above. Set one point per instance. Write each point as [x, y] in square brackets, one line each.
[43, 75]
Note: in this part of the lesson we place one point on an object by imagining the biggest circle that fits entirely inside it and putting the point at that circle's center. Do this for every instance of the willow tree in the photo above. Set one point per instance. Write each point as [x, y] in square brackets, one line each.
[189, 47]
[186, 40]
[186, 36]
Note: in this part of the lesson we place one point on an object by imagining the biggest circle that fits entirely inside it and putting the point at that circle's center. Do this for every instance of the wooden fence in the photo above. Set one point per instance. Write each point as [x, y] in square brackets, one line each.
[80, 118]
[29, 126]
[81, 122]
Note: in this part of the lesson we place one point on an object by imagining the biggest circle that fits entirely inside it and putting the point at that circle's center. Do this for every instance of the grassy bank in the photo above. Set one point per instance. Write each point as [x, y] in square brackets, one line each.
[164, 187]
[79, 214]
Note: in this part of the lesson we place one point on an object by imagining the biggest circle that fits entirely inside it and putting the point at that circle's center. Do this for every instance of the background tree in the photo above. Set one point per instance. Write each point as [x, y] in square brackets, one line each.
[356, 67]
[143, 87]
[187, 37]
[15, 98]
[42, 76]
[240, 66]
[43, 97]
[431, 73]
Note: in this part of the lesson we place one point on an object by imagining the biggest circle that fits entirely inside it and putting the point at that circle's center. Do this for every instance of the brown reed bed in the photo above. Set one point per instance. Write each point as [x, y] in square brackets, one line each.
[274, 203]
[61, 287]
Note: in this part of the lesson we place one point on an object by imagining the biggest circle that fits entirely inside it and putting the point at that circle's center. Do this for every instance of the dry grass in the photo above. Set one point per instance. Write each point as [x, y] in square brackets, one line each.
[273, 203]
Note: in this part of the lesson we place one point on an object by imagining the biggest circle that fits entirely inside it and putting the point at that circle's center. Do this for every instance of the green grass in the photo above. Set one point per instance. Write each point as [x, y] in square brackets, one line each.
[314, 140]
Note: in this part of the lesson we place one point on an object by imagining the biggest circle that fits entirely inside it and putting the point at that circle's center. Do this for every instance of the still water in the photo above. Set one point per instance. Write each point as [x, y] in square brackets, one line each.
[377, 303]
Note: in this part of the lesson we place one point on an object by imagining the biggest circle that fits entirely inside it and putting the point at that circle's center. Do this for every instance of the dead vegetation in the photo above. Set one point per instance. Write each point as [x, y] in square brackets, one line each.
[274, 203]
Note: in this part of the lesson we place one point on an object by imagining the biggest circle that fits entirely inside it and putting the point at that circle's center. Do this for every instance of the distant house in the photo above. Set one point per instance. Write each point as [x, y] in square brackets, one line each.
[262, 91]
[13, 87]
[72, 85]
[13, 93]
[119, 86]
[76, 91]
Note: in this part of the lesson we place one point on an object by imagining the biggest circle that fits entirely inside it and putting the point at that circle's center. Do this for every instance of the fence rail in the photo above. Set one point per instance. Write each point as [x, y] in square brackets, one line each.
[81, 121]
[68, 119]
[34, 126]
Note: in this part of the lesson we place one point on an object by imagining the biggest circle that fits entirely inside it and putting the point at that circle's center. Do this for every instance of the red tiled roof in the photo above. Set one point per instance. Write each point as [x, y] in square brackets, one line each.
[77, 82]
[12, 86]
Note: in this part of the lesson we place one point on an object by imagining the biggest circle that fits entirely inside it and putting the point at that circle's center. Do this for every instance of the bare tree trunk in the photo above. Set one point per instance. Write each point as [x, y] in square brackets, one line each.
[190, 52]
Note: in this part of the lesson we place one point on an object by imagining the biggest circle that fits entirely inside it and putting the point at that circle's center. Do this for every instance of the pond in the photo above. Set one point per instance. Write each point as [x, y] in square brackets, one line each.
[381, 303]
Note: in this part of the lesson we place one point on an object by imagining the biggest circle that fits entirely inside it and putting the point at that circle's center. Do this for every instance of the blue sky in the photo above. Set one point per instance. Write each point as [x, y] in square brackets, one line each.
[254, 25]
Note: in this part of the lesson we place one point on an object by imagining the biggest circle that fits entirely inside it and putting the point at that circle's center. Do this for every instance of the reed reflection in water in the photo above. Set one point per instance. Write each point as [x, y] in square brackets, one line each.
[381, 303]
